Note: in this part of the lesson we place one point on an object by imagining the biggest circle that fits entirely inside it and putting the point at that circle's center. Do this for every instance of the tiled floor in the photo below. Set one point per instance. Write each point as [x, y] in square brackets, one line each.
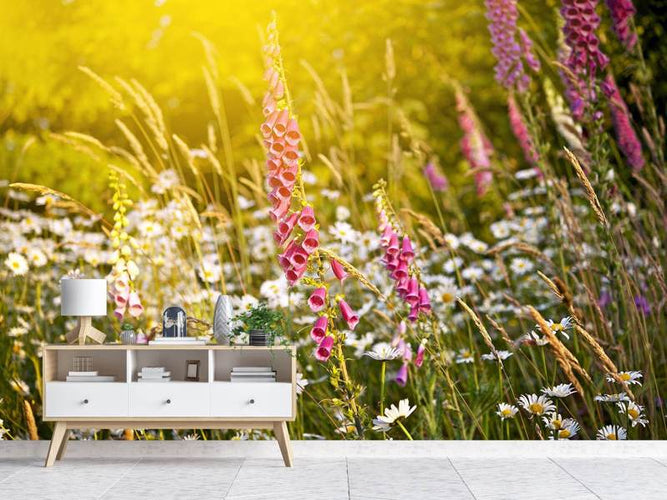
[185, 477]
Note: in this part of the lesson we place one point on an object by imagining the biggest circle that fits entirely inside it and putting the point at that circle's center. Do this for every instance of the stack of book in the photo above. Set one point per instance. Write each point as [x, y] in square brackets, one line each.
[253, 374]
[154, 374]
[88, 377]
[179, 341]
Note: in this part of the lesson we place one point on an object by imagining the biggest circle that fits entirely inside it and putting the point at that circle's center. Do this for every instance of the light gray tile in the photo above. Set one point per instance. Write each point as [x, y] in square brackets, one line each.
[187, 477]
[408, 478]
[519, 479]
[9, 466]
[615, 478]
[74, 478]
[307, 479]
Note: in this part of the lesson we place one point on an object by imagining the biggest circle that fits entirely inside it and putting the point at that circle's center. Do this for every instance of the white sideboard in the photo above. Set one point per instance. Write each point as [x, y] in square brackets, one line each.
[212, 402]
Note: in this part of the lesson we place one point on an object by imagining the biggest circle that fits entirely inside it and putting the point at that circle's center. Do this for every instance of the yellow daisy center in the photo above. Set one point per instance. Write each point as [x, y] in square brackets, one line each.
[625, 377]
[611, 436]
[536, 408]
[556, 423]
[506, 412]
[564, 433]
[447, 297]
[633, 413]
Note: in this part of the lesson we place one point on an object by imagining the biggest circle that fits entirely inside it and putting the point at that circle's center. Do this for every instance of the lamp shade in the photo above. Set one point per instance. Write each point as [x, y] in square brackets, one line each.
[83, 297]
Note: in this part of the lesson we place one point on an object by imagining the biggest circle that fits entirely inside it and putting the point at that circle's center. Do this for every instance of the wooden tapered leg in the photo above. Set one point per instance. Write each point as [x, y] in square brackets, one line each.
[57, 439]
[63, 445]
[282, 435]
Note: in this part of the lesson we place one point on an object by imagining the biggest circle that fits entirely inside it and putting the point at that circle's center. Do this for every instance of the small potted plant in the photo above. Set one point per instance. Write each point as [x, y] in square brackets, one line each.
[127, 334]
[260, 326]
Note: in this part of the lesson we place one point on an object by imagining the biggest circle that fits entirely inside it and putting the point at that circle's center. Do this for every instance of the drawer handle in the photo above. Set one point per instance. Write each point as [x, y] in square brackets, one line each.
[252, 402]
[168, 401]
[84, 402]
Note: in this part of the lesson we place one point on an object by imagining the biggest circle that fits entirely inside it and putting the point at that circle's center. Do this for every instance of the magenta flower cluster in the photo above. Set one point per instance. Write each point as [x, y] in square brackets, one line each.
[398, 260]
[522, 135]
[510, 72]
[581, 22]
[437, 180]
[622, 12]
[475, 146]
[627, 139]
[296, 231]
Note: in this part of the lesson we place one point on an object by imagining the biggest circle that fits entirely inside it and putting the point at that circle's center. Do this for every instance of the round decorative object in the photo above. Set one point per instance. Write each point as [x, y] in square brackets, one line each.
[128, 337]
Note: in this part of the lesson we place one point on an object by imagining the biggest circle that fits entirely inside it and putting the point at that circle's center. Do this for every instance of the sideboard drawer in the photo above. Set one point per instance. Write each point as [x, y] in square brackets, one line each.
[86, 399]
[169, 399]
[229, 399]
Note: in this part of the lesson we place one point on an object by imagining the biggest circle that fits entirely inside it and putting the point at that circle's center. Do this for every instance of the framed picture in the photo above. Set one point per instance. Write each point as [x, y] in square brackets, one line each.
[192, 370]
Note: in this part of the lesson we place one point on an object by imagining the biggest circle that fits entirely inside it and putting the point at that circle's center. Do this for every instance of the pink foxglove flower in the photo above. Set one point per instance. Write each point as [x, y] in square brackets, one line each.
[522, 135]
[502, 16]
[307, 218]
[625, 135]
[527, 49]
[319, 330]
[583, 56]
[121, 299]
[475, 146]
[437, 180]
[424, 301]
[350, 317]
[311, 241]
[421, 350]
[317, 299]
[338, 270]
[134, 305]
[622, 12]
[323, 351]
[407, 253]
[119, 312]
[281, 136]
[402, 375]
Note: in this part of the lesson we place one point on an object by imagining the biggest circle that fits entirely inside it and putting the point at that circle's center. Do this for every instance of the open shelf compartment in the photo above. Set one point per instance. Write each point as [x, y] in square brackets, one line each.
[280, 360]
[173, 360]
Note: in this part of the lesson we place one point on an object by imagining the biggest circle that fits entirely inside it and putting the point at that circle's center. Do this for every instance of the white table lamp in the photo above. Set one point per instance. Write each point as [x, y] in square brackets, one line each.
[84, 298]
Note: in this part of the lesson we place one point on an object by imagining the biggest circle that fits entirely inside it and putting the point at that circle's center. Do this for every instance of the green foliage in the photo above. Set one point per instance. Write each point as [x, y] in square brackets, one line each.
[270, 321]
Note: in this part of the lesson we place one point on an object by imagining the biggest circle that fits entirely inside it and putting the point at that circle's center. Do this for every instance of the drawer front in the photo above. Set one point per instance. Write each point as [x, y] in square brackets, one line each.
[169, 399]
[230, 399]
[86, 399]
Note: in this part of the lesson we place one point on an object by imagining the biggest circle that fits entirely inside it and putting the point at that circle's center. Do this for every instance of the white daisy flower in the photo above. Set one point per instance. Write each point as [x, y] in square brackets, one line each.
[612, 433]
[500, 229]
[330, 194]
[506, 411]
[383, 351]
[342, 213]
[392, 415]
[569, 429]
[559, 327]
[472, 273]
[497, 355]
[451, 265]
[612, 398]
[150, 229]
[634, 412]
[209, 272]
[36, 257]
[629, 378]
[452, 241]
[17, 263]
[245, 303]
[536, 405]
[344, 232]
[559, 391]
[464, 356]
[521, 266]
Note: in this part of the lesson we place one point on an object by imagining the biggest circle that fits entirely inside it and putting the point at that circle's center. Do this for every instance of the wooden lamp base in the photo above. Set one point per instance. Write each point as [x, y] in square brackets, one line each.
[83, 330]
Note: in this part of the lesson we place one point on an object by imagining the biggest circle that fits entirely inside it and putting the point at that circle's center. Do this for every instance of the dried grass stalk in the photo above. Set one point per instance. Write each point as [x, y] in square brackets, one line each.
[590, 192]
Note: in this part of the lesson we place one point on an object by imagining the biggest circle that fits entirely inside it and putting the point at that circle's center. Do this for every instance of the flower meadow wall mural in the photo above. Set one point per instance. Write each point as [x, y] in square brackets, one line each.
[459, 249]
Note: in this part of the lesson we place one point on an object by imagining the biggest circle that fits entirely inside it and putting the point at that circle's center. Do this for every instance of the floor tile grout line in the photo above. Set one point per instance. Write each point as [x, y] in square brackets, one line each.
[15, 472]
[347, 473]
[461, 477]
[234, 478]
[573, 477]
[121, 477]
[664, 464]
